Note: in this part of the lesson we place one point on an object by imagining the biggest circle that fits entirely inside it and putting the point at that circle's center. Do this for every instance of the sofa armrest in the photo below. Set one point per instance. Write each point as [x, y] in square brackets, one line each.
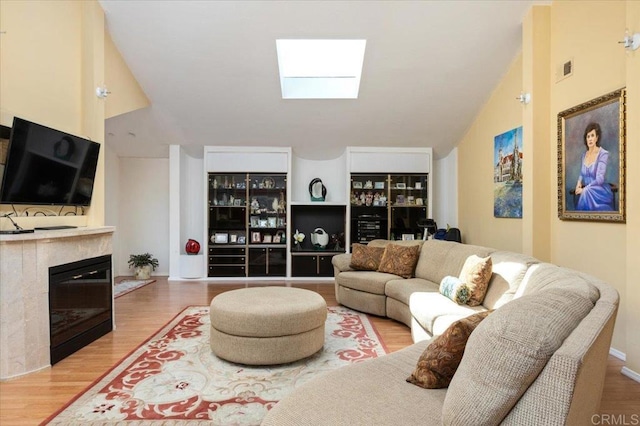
[341, 262]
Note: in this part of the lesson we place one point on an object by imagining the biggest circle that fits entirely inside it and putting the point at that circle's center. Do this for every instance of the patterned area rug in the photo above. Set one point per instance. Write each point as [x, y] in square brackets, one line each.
[127, 286]
[174, 379]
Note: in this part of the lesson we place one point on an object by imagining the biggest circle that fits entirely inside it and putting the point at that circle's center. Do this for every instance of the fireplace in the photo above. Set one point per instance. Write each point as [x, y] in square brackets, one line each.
[80, 304]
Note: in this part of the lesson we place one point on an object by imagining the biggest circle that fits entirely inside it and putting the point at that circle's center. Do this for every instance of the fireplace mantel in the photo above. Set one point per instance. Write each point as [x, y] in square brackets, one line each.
[25, 260]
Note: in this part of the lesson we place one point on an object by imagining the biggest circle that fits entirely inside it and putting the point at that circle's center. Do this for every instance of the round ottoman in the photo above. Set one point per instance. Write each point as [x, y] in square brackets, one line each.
[267, 325]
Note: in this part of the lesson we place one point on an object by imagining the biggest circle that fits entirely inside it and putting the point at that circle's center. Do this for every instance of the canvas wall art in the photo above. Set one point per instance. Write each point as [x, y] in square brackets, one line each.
[507, 176]
[591, 160]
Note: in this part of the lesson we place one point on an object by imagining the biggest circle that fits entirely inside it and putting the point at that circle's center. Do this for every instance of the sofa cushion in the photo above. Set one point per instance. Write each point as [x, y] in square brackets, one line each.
[439, 361]
[455, 289]
[360, 394]
[402, 289]
[365, 258]
[368, 281]
[441, 258]
[476, 273]
[506, 353]
[508, 272]
[435, 312]
[399, 260]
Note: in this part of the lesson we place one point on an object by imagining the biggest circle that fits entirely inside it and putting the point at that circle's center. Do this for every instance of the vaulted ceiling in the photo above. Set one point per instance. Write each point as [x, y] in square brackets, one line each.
[210, 70]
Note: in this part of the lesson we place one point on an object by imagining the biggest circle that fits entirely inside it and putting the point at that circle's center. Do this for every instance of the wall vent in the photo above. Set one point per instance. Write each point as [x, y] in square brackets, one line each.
[564, 70]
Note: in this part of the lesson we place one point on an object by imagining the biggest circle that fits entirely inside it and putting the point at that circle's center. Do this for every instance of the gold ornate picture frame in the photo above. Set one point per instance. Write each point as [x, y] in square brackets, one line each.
[591, 160]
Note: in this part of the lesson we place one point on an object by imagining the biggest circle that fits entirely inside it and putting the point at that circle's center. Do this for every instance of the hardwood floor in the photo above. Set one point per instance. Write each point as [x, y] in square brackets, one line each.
[31, 399]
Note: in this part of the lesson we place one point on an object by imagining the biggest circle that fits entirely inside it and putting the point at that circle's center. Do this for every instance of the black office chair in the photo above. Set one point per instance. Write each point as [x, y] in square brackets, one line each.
[429, 227]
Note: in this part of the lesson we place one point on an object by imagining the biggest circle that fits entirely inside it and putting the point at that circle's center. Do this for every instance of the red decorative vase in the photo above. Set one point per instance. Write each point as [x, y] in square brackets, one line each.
[192, 247]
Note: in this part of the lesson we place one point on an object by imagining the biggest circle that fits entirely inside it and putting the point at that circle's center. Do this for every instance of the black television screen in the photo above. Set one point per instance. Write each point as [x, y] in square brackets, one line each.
[47, 166]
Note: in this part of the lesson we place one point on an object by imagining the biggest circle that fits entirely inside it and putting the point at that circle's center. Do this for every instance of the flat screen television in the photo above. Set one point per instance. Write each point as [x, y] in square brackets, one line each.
[45, 166]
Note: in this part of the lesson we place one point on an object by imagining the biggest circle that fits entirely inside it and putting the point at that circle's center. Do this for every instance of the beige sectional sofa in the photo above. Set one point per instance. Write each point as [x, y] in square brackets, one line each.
[539, 358]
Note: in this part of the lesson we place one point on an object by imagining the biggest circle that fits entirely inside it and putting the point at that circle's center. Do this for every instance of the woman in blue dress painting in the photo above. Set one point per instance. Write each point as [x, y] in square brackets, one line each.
[595, 194]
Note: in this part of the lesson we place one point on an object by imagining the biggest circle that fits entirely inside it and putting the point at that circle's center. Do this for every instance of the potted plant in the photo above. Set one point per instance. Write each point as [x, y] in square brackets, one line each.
[142, 265]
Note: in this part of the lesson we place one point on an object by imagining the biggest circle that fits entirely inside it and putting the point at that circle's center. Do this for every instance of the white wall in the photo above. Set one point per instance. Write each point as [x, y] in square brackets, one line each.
[331, 172]
[112, 199]
[445, 190]
[143, 215]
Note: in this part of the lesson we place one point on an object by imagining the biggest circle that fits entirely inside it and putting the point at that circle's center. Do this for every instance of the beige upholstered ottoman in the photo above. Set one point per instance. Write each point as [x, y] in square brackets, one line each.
[267, 325]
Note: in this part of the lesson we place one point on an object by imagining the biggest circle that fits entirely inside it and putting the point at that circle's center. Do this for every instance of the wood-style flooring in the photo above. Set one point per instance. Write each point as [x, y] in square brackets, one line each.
[30, 399]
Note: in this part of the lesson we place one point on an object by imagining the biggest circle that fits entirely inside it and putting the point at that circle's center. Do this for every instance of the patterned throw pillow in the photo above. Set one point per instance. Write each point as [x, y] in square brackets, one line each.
[440, 360]
[366, 258]
[476, 273]
[399, 260]
[454, 289]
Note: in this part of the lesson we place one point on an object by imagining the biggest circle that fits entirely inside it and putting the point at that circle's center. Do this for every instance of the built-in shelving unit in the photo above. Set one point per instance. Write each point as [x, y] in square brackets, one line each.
[308, 260]
[254, 198]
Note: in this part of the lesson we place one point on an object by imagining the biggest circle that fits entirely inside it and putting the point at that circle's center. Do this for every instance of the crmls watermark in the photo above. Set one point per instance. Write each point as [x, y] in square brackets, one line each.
[616, 419]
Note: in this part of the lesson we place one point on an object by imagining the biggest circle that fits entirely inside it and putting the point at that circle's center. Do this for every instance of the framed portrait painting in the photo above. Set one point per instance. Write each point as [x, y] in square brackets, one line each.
[591, 160]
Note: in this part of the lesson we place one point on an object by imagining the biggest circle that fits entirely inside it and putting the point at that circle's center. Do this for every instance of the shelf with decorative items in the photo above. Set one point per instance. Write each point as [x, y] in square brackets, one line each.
[319, 234]
[408, 198]
[247, 224]
[387, 206]
[369, 195]
[227, 252]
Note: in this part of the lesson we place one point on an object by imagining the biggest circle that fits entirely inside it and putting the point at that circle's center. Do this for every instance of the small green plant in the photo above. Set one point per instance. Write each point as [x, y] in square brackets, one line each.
[139, 260]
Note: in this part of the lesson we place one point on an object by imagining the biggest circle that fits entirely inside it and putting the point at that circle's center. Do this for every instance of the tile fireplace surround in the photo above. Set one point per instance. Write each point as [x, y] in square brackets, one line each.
[25, 260]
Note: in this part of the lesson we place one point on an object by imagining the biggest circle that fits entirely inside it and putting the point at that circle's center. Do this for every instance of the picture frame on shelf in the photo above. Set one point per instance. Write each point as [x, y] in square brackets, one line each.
[379, 185]
[268, 183]
[400, 199]
[407, 237]
[221, 238]
[255, 237]
[357, 184]
[419, 202]
[233, 238]
[272, 222]
[241, 239]
[255, 221]
[267, 238]
[401, 185]
[276, 238]
[262, 223]
[237, 202]
[418, 185]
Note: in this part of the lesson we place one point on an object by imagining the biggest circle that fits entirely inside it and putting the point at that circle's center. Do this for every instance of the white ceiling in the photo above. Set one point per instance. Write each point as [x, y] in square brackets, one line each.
[210, 71]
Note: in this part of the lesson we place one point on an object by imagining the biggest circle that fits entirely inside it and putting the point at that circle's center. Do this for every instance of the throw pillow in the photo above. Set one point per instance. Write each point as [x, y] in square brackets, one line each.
[476, 273]
[454, 289]
[439, 361]
[399, 260]
[365, 258]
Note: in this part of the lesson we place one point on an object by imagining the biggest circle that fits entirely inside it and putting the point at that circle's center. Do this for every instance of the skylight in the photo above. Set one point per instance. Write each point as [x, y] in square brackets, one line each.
[320, 69]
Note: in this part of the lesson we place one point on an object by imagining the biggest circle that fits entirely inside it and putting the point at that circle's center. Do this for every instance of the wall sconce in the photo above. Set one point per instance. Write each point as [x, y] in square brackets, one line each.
[630, 41]
[102, 92]
[524, 98]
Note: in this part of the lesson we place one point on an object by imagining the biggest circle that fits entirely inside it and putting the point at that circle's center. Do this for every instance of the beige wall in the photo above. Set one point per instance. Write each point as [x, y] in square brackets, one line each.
[587, 32]
[475, 165]
[631, 301]
[52, 58]
[126, 94]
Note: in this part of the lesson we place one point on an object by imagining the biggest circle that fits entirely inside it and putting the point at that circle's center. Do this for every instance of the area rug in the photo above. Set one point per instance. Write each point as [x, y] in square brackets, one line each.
[174, 379]
[127, 286]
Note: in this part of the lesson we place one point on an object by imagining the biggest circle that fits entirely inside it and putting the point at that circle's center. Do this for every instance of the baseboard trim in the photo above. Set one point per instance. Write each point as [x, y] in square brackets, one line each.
[630, 374]
[618, 354]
